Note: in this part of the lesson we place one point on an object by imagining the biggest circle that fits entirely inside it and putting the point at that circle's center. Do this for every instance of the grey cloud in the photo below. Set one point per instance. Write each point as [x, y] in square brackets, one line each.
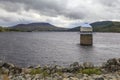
[40, 5]
[45, 7]
[109, 3]
[85, 11]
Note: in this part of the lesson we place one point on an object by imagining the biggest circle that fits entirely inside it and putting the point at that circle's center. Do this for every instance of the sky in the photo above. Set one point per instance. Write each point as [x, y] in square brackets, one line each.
[61, 13]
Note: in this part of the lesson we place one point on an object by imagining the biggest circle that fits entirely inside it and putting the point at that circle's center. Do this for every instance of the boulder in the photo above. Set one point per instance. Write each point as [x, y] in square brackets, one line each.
[112, 65]
[99, 78]
[1, 63]
[88, 65]
[8, 65]
[75, 67]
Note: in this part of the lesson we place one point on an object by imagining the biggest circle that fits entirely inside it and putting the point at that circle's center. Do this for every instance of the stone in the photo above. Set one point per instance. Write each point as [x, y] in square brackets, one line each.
[65, 78]
[1, 63]
[26, 70]
[38, 66]
[8, 65]
[113, 61]
[4, 70]
[75, 67]
[73, 78]
[112, 65]
[99, 78]
[88, 65]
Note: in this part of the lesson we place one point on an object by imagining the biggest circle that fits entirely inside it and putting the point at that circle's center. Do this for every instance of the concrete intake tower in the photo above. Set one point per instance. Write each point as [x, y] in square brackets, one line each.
[86, 35]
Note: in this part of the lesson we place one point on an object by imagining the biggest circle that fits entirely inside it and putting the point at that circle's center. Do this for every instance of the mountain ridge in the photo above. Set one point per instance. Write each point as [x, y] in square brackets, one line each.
[100, 26]
[41, 26]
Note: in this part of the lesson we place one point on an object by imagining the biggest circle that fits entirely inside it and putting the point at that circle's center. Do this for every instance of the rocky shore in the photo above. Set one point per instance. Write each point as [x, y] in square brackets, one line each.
[110, 70]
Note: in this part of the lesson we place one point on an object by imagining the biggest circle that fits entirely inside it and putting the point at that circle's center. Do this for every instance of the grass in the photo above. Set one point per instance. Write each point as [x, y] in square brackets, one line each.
[36, 71]
[90, 71]
[39, 71]
[5, 77]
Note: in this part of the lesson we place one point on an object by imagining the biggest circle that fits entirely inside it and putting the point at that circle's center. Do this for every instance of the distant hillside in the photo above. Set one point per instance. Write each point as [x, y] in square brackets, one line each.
[106, 26]
[36, 27]
[103, 26]
[75, 29]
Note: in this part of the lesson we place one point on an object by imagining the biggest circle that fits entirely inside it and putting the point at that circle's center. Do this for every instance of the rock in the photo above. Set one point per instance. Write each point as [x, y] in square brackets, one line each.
[37, 77]
[65, 70]
[56, 76]
[48, 78]
[19, 78]
[65, 78]
[73, 78]
[1, 63]
[30, 67]
[113, 61]
[38, 66]
[8, 65]
[99, 78]
[75, 67]
[79, 75]
[26, 70]
[5, 70]
[65, 75]
[59, 67]
[85, 78]
[112, 65]
[88, 65]
[17, 70]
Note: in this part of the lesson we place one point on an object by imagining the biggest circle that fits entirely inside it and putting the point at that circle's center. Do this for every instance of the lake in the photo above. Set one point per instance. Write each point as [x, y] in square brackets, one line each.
[62, 48]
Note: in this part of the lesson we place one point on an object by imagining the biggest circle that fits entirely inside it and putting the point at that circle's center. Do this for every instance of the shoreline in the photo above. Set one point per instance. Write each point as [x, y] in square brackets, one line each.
[110, 70]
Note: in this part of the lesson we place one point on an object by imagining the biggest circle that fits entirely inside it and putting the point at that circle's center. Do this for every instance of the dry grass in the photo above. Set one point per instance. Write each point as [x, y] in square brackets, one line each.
[5, 77]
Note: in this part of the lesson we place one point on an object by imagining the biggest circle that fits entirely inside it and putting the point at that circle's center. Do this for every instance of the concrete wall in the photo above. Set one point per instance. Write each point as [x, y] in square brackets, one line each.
[86, 39]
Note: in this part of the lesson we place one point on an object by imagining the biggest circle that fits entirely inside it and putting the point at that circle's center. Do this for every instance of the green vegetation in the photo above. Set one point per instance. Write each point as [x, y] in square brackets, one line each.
[6, 29]
[39, 71]
[36, 71]
[2, 29]
[90, 71]
[107, 27]
[45, 73]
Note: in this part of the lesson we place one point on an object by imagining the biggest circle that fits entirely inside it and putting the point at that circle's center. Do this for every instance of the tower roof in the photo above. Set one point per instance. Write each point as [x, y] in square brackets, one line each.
[86, 25]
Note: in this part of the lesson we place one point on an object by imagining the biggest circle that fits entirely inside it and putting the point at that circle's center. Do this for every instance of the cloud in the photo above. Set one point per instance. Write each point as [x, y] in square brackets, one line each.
[63, 13]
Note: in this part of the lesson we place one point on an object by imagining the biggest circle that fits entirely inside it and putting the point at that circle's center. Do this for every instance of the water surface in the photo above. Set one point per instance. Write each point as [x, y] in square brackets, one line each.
[62, 48]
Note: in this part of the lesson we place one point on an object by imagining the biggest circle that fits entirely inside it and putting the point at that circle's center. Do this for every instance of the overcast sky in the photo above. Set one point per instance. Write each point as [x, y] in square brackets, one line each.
[62, 13]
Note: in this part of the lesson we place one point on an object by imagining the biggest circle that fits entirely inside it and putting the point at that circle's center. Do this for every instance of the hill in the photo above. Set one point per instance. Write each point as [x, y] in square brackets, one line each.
[36, 27]
[103, 26]
[106, 26]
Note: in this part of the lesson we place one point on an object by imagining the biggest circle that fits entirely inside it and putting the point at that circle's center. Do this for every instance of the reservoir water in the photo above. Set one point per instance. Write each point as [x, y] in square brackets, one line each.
[62, 48]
